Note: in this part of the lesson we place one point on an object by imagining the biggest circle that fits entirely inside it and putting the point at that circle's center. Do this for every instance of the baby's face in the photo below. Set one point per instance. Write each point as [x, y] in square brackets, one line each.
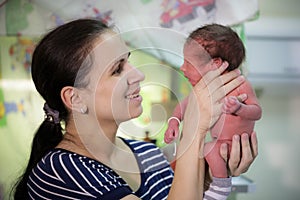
[197, 62]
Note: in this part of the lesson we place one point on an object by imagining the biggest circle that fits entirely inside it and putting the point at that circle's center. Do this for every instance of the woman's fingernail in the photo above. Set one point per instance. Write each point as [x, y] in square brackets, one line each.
[238, 72]
[245, 136]
[236, 137]
[241, 78]
[244, 96]
[224, 146]
[224, 65]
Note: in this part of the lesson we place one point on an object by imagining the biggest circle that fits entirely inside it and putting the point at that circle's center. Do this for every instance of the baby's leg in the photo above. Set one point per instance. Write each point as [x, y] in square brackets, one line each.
[214, 159]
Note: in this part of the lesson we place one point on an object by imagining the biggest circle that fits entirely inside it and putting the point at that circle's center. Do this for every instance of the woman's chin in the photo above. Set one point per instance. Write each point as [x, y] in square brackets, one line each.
[137, 113]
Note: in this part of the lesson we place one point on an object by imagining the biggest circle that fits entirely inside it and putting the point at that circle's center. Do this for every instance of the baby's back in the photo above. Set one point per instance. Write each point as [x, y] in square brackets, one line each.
[229, 125]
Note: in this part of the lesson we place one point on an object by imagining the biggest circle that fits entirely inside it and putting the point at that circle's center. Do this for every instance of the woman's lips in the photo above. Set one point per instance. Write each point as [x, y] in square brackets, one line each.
[135, 96]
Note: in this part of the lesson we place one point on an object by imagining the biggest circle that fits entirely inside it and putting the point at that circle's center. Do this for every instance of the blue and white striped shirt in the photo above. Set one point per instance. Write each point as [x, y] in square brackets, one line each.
[62, 174]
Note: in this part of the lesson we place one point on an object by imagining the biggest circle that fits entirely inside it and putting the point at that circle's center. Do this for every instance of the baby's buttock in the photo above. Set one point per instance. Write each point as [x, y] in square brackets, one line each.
[229, 125]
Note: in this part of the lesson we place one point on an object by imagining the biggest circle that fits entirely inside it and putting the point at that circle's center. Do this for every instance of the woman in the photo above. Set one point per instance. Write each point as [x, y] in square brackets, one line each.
[81, 70]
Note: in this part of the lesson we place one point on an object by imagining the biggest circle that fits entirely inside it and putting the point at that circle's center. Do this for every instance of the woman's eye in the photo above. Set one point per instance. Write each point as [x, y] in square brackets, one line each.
[118, 70]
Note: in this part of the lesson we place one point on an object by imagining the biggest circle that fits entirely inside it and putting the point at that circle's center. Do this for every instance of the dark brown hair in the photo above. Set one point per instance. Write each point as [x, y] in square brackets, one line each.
[220, 42]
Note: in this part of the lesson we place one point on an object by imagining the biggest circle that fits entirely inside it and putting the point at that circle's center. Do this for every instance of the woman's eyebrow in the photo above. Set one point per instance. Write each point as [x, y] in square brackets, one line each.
[121, 59]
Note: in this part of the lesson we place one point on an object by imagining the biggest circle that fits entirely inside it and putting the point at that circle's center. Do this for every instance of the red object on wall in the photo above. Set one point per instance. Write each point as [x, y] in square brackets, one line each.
[183, 11]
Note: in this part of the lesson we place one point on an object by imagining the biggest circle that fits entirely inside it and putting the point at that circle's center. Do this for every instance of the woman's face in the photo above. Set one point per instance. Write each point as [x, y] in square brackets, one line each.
[196, 62]
[114, 83]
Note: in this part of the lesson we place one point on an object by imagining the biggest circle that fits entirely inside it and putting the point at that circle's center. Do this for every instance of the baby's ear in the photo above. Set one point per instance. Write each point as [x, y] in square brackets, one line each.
[218, 61]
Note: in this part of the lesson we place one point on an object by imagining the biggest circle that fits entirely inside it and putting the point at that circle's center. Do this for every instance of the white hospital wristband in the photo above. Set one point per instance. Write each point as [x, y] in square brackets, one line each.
[174, 118]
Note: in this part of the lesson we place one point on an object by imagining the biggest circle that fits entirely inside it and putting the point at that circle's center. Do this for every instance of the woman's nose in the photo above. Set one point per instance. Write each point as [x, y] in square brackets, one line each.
[135, 75]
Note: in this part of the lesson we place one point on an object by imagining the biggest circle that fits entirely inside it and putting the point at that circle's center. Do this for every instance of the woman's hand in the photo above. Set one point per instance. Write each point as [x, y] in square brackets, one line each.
[244, 150]
[205, 101]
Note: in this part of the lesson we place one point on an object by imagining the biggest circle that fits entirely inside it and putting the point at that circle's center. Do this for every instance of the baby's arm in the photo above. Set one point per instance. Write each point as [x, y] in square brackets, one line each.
[220, 188]
[174, 121]
[249, 109]
[180, 109]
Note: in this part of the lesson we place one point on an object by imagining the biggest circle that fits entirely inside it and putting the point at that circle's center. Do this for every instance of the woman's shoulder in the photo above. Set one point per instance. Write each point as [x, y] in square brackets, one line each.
[60, 160]
[60, 156]
[148, 155]
[61, 170]
[140, 146]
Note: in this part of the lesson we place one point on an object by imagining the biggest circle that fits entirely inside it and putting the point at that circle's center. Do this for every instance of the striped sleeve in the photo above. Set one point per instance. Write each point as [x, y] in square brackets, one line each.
[219, 189]
[156, 173]
[65, 175]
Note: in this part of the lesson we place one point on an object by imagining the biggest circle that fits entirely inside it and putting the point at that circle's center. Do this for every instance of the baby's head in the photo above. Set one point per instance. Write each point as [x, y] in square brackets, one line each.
[216, 43]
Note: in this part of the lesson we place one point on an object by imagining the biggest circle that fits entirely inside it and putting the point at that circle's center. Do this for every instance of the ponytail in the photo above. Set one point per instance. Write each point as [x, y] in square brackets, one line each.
[46, 138]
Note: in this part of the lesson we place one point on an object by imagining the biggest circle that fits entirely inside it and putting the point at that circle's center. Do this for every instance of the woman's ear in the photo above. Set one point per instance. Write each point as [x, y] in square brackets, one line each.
[72, 100]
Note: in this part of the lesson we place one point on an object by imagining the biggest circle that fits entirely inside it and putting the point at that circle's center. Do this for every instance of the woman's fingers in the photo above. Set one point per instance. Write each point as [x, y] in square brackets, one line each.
[233, 84]
[247, 157]
[211, 75]
[223, 90]
[235, 155]
[254, 144]
[242, 153]
[220, 85]
[224, 151]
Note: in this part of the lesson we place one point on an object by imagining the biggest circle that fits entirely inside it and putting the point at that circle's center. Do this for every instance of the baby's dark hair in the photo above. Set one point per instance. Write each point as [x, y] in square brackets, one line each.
[220, 42]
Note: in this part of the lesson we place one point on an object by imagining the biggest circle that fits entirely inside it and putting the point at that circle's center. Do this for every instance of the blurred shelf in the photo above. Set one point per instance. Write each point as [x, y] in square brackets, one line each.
[242, 184]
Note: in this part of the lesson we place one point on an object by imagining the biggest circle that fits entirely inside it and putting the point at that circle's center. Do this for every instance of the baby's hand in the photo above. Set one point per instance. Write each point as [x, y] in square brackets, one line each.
[172, 132]
[231, 105]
